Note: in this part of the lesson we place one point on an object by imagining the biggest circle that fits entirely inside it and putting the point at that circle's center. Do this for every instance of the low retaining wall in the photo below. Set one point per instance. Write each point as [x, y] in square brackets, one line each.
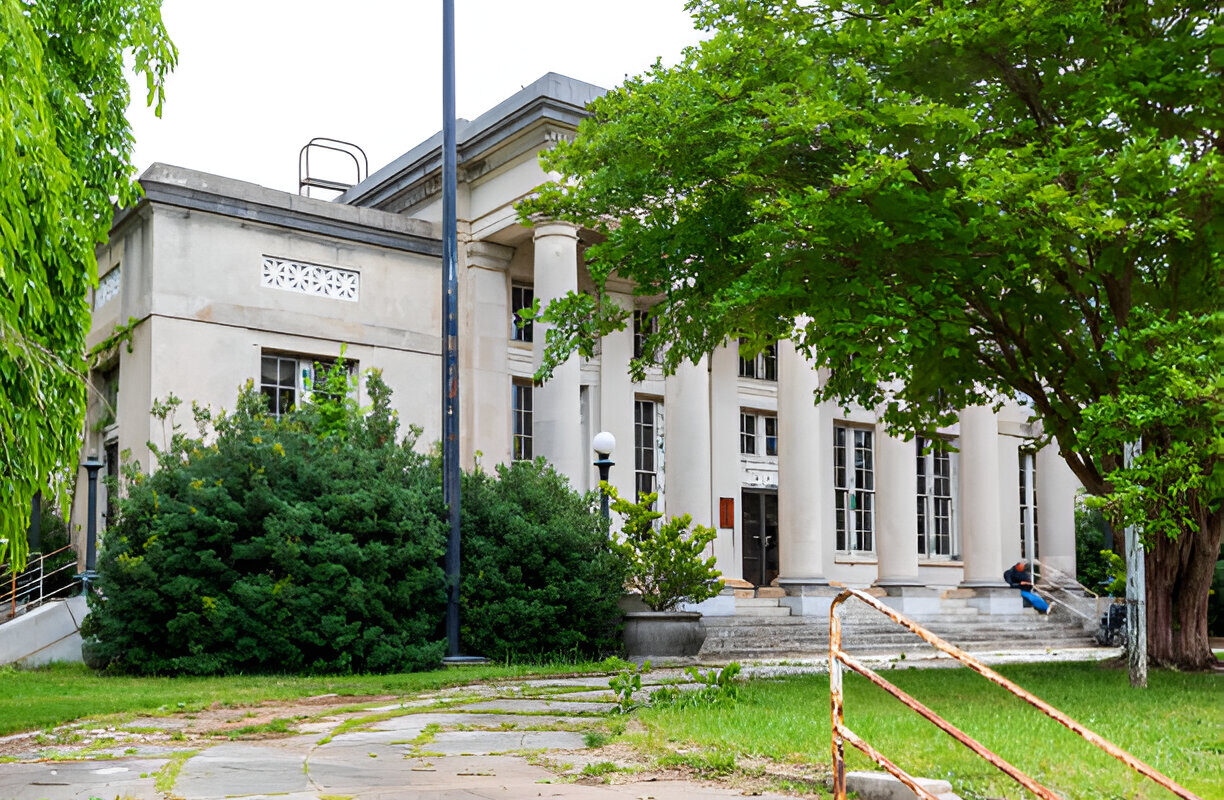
[49, 633]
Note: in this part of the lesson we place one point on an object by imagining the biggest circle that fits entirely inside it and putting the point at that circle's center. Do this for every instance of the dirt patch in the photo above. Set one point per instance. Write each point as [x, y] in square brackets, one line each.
[624, 764]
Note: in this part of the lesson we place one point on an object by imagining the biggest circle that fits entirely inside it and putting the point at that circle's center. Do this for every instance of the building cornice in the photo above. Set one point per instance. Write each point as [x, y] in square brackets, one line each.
[554, 104]
[198, 191]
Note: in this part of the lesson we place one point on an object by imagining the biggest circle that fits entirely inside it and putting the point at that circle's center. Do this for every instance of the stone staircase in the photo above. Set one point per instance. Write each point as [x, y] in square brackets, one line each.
[763, 628]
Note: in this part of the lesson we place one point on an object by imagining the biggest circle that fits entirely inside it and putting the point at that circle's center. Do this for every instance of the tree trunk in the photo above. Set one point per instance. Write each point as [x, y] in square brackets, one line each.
[1179, 573]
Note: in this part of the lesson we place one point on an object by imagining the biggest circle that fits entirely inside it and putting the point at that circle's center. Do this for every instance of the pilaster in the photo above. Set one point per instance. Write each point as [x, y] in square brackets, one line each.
[981, 532]
[725, 456]
[805, 472]
[616, 396]
[1056, 488]
[557, 416]
[686, 403]
[487, 401]
[896, 510]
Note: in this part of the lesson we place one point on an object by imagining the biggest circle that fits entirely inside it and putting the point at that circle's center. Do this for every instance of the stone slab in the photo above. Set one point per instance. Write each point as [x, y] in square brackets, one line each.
[549, 706]
[69, 780]
[883, 786]
[240, 769]
[475, 743]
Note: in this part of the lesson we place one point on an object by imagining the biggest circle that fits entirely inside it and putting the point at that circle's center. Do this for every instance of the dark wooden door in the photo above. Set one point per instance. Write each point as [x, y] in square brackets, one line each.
[759, 524]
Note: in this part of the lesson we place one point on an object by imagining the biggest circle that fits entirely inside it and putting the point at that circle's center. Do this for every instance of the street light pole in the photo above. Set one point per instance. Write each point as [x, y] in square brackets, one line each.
[603, 444]
[92, 465]
[450, 327]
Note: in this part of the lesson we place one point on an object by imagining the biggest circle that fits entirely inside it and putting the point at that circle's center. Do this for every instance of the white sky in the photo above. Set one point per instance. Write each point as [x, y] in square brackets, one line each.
[258, 78]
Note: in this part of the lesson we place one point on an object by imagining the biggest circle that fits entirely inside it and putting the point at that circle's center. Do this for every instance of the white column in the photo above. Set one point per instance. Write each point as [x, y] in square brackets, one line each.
[556, 418]
[686, 442]
[1056, 487]
[1009, 497]
[616, 397]
[896, 510]
[725, 472]
[805, 471]
[486, 396]
[981, 534]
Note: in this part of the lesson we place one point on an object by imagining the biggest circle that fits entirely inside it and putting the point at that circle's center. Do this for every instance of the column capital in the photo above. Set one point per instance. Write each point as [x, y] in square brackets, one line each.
[553, 227]
[488, 255]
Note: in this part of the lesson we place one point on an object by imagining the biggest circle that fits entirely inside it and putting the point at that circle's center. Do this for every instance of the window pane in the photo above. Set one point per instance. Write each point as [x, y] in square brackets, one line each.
[268, 370]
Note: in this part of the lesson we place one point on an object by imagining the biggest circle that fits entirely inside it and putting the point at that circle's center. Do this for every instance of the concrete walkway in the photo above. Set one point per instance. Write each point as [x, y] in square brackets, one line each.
[506, 740]
[511, 739]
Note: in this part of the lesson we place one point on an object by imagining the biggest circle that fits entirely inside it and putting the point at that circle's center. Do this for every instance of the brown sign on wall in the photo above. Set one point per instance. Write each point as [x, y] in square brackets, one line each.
[726, 512]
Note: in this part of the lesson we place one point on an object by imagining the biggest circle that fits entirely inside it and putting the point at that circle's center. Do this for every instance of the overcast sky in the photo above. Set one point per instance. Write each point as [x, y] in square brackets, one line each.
[258, 78]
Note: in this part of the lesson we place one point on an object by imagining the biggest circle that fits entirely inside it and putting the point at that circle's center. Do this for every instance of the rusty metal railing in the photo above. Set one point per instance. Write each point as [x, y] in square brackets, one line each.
[842, 734]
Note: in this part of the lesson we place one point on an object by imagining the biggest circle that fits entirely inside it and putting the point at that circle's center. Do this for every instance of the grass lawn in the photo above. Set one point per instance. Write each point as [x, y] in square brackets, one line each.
[1176, 726]
[42, 698]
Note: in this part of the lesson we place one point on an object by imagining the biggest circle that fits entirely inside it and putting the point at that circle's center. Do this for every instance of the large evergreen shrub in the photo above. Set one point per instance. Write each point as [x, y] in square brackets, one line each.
[307, 544]
[539, 576]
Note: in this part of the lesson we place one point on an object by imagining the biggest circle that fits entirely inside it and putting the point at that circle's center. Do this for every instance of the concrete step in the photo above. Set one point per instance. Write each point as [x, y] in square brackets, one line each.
[756, 602]
[867, 632]
[759, 612]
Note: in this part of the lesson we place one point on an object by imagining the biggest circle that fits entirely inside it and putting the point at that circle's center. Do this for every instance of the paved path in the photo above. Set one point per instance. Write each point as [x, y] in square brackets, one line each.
[521, 739]
[512, 739]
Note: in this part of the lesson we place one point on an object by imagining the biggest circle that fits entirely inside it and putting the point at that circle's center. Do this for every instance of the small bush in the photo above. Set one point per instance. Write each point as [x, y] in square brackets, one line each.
[307, 544]
[539, 575]
[664, 562]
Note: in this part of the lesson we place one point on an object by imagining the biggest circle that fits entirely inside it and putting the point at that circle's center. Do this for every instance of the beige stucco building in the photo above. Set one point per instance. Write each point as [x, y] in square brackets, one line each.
[226, 282]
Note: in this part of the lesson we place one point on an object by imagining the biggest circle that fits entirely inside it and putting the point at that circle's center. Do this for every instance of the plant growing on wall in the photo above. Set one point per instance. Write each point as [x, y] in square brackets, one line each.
[664, 562]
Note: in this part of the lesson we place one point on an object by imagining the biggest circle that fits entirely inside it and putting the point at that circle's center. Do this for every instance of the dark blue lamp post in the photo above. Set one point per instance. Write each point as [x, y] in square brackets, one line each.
[603, 444]
[92, 465]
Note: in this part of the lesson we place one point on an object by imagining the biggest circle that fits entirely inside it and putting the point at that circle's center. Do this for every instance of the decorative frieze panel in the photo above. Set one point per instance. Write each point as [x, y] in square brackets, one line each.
[313, 279]
[108, 288]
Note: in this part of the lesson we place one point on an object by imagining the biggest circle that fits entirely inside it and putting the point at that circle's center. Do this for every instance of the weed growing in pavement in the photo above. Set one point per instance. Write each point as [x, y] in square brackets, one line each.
[716, 686]
[625, 683]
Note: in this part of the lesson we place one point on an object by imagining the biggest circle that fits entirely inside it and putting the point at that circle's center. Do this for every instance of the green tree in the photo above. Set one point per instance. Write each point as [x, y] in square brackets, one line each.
[65, 157]
[944, 205]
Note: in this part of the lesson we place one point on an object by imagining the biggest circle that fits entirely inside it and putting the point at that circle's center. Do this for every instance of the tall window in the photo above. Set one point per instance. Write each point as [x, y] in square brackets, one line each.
[854, 488]
[748, 433]
[521, 297]
[643, 326]
[287, 380]
[646, 450]
[763, 366]
[1028, 505]
[936, 537]
[520, 406]
[758, 434]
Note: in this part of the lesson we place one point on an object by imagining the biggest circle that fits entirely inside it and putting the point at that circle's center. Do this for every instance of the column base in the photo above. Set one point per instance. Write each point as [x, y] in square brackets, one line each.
[994, 599]
[911, 599]
[808, 597]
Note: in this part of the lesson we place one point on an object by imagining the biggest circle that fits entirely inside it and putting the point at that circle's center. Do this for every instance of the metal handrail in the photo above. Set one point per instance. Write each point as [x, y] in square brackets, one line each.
[842, 734]
[30, 584]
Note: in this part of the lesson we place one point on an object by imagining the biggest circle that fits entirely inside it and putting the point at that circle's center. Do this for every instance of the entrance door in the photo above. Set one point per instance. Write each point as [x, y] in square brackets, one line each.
[759, 520]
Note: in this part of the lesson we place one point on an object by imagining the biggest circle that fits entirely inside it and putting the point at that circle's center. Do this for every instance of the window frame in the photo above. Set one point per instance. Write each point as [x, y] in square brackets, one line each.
[645, 325]
[522, 295]
[854, 494]
[1027, 479]
[936, 492]
[758, 433]
[648, 448]
[522, 421]
[761, 367]
[305, 372]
